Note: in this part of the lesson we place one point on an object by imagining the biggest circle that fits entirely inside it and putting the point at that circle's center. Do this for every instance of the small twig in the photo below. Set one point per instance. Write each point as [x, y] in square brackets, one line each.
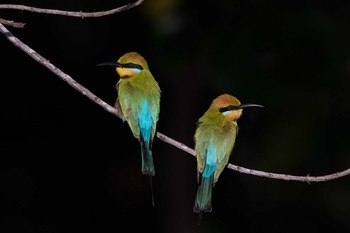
[161, 136]
[71, 13]
[12, 23]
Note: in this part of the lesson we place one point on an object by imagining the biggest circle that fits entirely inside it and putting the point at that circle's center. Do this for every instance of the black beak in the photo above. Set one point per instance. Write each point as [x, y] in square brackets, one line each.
[249, 105]
[113, 64]
[230, 107]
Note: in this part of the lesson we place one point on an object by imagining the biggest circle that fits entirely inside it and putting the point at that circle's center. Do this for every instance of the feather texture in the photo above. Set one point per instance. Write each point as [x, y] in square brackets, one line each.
[214, 140]
[139, 100]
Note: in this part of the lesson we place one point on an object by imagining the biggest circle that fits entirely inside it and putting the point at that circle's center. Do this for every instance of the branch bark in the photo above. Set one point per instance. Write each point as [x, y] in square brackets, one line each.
[65, 77]
[12, 23]
[71, 13]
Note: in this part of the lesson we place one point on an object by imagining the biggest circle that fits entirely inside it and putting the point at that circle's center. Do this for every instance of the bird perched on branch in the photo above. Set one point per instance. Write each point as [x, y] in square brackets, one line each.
[214, 140]
[139, 101]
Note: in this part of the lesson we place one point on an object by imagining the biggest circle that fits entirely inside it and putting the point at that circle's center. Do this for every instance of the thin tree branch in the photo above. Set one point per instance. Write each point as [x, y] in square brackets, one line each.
[65, 77]
[308, 179]
[71, 13]
[12, 23]
[43, 61]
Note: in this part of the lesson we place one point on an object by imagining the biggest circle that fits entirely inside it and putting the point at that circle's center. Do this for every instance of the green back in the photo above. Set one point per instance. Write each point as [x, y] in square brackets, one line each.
[214, 130]
[131, 95]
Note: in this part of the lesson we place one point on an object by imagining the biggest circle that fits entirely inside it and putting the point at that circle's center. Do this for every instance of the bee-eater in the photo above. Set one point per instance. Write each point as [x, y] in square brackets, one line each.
[139, 101]
[214, 140]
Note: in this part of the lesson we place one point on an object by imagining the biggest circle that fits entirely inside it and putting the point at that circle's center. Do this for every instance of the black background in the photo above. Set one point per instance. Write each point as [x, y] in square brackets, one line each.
[67, 165]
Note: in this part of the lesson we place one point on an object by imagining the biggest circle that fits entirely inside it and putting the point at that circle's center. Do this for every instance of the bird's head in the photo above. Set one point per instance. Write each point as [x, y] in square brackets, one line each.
[128, 65]
[230, 106]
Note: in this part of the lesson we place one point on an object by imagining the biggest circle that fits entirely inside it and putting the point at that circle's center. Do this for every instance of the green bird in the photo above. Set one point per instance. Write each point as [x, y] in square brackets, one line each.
[139, 101]
[214, 140]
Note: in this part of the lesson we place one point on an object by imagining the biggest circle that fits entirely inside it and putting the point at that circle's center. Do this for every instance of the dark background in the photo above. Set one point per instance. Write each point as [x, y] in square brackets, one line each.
[67, 165]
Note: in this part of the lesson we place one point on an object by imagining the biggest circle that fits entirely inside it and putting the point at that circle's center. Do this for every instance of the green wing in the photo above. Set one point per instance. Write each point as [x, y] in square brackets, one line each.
[214, 130]
[132, 92]
[224, 153]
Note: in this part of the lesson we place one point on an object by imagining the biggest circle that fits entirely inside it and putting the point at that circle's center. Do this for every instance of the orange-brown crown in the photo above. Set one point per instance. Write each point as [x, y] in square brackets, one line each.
[133, 57]
[227, 101]
[224, 101]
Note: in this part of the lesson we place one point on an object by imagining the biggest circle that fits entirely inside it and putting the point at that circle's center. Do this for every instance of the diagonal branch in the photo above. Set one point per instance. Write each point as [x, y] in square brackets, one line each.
[65, 77]
[71, 13]
[12, 23]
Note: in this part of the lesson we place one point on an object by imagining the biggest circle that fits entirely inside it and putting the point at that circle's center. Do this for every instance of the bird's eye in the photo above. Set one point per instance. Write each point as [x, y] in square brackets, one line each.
[228, 108]
[132, 66]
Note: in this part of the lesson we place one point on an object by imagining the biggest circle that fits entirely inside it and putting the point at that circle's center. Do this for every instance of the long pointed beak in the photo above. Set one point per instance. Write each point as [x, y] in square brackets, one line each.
[250, 105]
[114, 64]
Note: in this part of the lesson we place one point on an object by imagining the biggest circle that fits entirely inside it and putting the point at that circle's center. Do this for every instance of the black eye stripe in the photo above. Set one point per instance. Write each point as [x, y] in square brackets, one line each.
[132, 66]
[228, 108]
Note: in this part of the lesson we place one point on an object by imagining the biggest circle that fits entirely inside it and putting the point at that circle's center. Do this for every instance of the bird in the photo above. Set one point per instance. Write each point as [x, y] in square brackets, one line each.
[214, 138]
[139, 101]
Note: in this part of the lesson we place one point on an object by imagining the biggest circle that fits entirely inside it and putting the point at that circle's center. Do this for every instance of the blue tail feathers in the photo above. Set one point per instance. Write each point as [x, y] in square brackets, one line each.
[145, 124]
[203, 197]
[147, 159]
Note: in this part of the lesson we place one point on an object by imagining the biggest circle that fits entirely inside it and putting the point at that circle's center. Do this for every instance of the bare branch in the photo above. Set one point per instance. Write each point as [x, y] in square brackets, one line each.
[65, 77]
[244, 170]
[175, 143]
[306, 178]
[71, 13]
[12, 23]
[161, 136]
